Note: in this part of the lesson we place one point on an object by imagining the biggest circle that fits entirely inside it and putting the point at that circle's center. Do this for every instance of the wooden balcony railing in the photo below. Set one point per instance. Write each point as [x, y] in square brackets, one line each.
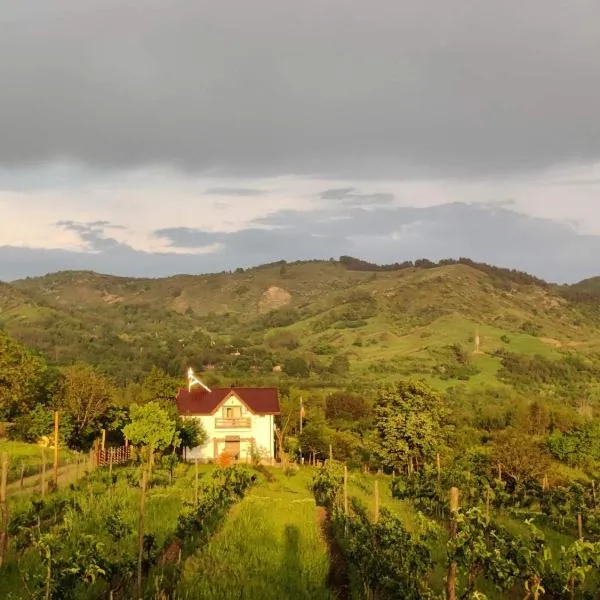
[240, 423]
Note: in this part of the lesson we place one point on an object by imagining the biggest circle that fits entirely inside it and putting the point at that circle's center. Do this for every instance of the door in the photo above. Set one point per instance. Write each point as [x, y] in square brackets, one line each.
[232, 446]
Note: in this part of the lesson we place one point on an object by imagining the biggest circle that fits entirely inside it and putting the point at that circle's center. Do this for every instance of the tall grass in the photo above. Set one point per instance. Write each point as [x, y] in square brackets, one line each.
[271, 548]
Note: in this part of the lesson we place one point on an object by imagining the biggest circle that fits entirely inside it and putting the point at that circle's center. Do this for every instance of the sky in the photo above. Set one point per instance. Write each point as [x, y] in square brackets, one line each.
[171, 136]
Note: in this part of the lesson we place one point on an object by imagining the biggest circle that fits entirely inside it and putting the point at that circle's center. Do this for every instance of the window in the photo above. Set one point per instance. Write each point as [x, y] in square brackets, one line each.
[233, 412]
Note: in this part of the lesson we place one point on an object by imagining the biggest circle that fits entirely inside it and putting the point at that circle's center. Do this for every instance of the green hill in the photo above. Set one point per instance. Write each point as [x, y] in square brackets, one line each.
[390, 320]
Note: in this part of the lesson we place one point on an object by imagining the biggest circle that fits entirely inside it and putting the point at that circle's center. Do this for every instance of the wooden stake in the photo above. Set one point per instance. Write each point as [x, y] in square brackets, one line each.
[580, 526]
[22, 475]
[439, 468]
[376, 490]
[196, 484]
[56, 420]
[330, 453]
[103, 439]
[451, 579]
[43, 481]
[141, 531]
[345, 490]
[3, 508]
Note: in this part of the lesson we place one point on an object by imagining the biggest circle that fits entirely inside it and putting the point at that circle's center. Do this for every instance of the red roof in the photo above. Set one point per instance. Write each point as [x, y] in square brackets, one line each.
[261, 401]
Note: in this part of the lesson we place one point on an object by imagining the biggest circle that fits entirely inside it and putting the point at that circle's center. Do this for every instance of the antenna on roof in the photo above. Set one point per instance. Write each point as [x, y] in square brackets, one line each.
[193, 380]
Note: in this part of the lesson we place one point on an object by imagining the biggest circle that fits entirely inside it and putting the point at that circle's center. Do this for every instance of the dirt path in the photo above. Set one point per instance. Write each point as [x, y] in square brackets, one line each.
[337, 578]
[66, 474]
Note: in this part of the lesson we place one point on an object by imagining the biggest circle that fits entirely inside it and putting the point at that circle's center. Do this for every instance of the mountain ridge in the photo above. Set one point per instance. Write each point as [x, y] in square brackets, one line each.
[311, 310]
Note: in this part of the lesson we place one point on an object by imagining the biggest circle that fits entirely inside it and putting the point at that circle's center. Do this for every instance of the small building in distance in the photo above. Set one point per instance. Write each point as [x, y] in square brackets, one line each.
[238, 420]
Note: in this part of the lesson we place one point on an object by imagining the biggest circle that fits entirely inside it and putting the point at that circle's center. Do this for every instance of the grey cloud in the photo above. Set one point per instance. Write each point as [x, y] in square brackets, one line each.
[93, 234]
[231, 191]
[334, 88]
[348, 196]
[490, 233]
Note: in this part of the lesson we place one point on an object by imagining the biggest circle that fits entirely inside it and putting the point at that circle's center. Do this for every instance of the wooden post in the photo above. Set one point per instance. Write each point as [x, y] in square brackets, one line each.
[56, 419]
[439, 469]
[345, 490]
[103, 439]
[22, 475]
[141, 532]
[376, 490]
[451, 580]
[330, 453]
[43, 481]
[196, 484]
[580, 526]
[3, 508]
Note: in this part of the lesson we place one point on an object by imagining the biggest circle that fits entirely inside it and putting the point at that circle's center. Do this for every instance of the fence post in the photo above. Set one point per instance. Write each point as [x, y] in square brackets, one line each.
[141, 532]
[580, 526]
[345, 490]
[43, 480]
[3, 508]
[196, 483]
[56, 418]
[451, 580]
[376, 490]
[21, 484]
[330, 453]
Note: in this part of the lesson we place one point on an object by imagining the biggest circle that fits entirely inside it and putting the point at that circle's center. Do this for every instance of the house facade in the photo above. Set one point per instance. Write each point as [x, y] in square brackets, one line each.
[238, 421]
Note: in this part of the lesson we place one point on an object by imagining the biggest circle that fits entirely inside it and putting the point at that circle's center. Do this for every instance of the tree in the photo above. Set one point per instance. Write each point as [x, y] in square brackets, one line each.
[296, 367]
[86, 397]
[20, 375]
[409, 424]
[347, 409]
[519, 455]
[39, 422]
[151, 427]
[340, 365]
[191, 433]
[160, 387]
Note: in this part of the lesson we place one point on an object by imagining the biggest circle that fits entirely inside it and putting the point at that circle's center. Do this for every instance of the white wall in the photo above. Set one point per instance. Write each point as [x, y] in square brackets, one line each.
[261, 429]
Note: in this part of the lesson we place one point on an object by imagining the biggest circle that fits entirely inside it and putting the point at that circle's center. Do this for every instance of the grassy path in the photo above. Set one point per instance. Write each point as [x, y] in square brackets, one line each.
[270, 548]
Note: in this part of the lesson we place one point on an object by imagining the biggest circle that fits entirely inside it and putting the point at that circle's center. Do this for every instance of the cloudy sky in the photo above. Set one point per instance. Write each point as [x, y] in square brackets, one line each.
[168, 136]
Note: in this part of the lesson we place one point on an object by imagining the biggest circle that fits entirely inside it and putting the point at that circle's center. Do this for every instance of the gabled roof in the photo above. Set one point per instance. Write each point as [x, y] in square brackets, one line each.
[261, 401]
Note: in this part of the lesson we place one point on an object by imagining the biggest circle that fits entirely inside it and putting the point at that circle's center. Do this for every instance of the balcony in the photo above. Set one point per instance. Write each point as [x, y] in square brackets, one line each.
[239, 423]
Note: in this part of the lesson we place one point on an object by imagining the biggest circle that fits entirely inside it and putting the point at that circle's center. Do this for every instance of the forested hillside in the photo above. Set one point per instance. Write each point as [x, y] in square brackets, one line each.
[317, 320]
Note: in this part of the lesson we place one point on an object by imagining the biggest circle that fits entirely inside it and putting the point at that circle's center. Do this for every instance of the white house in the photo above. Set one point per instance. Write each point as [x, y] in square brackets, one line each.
[236, 420]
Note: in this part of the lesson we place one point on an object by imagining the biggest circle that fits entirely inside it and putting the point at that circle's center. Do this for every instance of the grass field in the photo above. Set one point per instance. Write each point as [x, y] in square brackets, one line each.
[270, 547]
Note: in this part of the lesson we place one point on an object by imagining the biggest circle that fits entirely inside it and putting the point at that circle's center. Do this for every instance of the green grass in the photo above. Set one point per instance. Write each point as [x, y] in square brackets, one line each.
[270, 548]
[29, 456]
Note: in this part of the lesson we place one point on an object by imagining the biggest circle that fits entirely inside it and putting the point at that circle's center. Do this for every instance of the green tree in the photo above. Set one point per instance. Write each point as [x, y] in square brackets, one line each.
[296, 367]
[520, 455]
[409, 424]
[160, 387]
[340, 365]
[191, 433]
[20, 377]
[151, 427]
[86, 396]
